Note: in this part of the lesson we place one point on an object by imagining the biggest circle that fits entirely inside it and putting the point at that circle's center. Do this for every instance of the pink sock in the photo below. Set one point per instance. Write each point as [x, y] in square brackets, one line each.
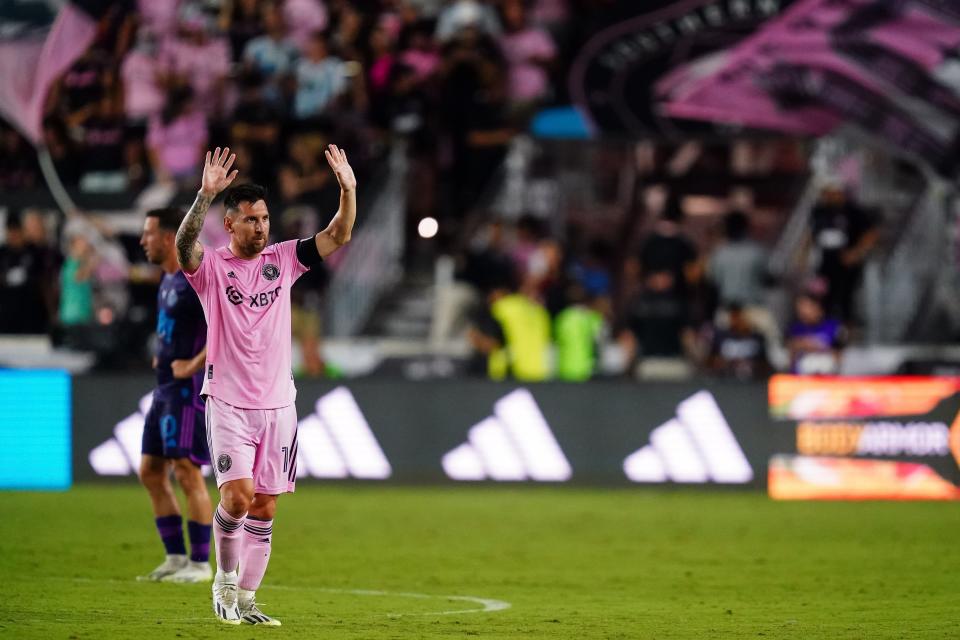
[256, 552]
[228, 535]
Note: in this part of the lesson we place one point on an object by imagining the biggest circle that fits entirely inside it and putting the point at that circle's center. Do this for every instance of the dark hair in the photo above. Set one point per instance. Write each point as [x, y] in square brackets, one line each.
[736, 225]
[673, 208]
[177, 101]
[243, 193]
[170, 217]
[14, 221]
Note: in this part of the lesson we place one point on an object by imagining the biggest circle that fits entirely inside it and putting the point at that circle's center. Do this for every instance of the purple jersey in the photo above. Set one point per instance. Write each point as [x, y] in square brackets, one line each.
[181, 327]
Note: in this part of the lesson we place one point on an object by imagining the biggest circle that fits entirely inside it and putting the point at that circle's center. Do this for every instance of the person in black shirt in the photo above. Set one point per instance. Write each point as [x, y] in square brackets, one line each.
[22, 305]
[739, 351]
[667, 248]
[844, 234]
[657, 322]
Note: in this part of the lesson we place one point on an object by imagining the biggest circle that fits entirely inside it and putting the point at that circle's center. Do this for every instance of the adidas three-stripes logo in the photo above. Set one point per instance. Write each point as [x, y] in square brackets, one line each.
[515, 443]
[333, 442]
[697, 446]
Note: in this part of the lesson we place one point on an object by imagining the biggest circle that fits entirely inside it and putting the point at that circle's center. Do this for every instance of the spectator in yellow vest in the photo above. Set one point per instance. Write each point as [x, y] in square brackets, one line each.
[513, 331]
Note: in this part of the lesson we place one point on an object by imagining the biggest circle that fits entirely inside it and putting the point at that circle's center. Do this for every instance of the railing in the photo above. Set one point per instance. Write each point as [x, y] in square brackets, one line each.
[788, 261]
[901, 286]
[373, 259]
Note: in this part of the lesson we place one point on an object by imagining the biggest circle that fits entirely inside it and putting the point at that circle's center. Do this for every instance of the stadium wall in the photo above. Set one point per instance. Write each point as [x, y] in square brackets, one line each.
[611, 433]
[800, 438]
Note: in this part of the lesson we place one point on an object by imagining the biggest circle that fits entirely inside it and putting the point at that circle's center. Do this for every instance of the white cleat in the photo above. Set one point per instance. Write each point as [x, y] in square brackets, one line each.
[250, 614]
[193, 573]
[225, 598]
[169, 567]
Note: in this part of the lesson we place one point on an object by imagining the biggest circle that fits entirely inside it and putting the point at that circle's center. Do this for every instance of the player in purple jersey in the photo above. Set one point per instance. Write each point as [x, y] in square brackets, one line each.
[174, 434]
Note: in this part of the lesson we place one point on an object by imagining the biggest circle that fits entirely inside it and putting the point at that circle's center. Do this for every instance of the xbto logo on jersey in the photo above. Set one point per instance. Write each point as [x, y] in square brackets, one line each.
[256, 300]
[270, 271]
[265, 298]
[234, 296]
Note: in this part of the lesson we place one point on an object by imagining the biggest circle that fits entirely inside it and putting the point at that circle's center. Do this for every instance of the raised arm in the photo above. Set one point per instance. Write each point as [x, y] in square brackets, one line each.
[340, 228]
[216, 178]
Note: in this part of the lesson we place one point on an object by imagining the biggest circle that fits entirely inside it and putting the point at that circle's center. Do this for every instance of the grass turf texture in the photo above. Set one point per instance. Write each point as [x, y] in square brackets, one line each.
[573, 564]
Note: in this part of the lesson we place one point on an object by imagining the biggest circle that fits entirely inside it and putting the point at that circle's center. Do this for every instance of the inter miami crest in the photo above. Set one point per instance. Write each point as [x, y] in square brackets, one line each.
[271, 271]
[224, 462]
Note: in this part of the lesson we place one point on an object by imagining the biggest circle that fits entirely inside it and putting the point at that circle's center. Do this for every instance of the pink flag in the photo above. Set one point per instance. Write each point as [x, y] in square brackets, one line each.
[886, 50]
[31, 60]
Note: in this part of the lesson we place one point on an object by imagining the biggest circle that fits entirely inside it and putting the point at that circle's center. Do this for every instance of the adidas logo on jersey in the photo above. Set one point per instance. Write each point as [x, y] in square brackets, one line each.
[697, 446]
[334, 442]
[515, 443]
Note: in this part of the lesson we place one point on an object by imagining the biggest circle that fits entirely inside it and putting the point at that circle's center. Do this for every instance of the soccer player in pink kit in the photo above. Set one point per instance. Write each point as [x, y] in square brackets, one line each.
[248, 384]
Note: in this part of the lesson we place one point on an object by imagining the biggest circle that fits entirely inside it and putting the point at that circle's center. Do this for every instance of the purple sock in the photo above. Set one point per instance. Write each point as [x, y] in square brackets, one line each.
[171, 532]
[199, 541]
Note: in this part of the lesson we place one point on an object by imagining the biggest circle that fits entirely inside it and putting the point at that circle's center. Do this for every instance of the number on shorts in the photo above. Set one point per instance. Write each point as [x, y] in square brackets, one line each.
[286, 458]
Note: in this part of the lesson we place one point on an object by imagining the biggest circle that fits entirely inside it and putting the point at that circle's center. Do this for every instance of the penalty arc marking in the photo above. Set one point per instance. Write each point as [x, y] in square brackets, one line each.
[486, 605]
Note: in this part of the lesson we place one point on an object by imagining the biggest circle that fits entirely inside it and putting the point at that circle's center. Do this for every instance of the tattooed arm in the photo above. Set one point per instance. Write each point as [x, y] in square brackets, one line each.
[189, 249]
[216, 178]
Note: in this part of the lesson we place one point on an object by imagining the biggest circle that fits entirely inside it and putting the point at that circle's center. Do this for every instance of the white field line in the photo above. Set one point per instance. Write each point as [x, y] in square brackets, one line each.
[486, 605]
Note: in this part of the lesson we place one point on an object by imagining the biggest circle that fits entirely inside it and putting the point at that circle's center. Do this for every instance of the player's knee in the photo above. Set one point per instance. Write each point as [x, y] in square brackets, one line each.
[236, 498]
[188, 475]
[153, 475]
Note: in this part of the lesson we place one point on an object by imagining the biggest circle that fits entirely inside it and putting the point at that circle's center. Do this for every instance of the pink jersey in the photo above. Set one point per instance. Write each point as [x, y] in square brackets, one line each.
[247, 305]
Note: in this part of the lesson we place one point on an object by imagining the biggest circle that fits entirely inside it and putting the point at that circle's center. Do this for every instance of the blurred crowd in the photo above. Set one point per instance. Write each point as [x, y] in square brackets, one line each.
[276, 79]
[539, 308]
[458, 80]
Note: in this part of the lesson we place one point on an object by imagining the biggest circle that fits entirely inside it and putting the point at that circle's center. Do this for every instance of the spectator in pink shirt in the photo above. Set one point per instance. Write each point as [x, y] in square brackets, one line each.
[202, 62]
[141, 74]
[177, 137]
[382, 59]
[420, 55]
[305, 17]
[158, 17]
[529, 51]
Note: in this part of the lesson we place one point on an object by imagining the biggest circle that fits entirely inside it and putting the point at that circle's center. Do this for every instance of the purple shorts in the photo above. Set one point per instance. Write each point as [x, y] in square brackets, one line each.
[175, 427]
[259, 444]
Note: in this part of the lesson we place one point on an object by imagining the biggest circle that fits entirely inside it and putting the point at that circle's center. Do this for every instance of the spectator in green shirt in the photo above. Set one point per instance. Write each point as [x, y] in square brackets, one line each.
[76, 283]
[577, 330]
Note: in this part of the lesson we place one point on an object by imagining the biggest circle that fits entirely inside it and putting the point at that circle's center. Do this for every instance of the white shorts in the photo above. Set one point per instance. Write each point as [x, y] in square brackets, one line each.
[259, 444]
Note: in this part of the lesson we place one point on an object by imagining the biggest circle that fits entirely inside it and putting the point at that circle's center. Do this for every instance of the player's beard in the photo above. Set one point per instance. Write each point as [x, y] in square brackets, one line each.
[255, 245]
[155, 258]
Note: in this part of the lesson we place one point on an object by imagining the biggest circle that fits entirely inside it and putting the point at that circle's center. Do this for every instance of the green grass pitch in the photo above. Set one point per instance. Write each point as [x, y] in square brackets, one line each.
[572, 563]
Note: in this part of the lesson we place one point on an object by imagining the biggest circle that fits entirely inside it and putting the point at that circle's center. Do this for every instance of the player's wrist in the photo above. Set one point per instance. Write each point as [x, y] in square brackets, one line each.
[208, 195]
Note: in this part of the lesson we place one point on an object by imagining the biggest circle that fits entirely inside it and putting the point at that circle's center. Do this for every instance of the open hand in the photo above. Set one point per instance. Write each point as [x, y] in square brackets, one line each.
[216, 172]
[337, 158]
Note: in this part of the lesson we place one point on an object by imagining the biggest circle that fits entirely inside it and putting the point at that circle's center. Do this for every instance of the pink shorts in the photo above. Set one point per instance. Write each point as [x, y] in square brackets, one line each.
[260, 444]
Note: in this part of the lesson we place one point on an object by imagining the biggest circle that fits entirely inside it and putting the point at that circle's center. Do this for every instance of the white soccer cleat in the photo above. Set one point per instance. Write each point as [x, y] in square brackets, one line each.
[169, 567]
[250, 613]
[192, 573]
[225, 598]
